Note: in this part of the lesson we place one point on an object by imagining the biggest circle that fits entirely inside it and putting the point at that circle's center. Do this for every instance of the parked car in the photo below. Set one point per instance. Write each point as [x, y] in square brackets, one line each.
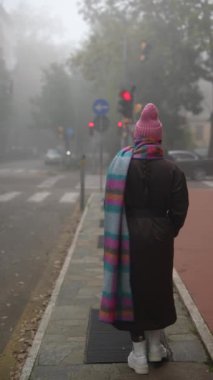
[53, 156]
[203, 152]
[21, 153]
[194, 166]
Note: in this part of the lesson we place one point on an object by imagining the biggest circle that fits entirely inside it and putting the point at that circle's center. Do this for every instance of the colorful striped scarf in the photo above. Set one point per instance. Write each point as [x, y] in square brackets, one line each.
[116, 301]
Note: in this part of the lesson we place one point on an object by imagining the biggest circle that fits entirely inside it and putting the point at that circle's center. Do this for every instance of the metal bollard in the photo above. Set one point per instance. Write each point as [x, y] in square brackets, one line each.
[82, 182]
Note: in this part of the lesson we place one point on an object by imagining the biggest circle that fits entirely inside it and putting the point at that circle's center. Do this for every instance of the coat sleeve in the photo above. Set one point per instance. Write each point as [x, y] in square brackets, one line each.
[179, 200]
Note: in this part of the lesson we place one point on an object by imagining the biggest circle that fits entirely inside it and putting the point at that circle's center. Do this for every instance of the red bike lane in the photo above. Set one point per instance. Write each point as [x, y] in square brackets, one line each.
[194, 252]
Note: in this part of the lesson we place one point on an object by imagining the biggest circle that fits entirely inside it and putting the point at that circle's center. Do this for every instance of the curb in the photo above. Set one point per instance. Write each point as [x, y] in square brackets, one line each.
[31, 358]
[202, 328]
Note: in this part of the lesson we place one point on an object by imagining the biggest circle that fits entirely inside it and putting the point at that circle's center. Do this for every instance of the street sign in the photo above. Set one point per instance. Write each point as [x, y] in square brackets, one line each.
[100, 106]
[69, 132]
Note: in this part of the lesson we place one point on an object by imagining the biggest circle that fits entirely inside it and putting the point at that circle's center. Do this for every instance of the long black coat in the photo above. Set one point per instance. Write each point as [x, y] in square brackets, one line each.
[156, 202]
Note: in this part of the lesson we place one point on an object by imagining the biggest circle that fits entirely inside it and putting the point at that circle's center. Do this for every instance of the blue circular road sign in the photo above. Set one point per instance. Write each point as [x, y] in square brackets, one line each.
[100, 106]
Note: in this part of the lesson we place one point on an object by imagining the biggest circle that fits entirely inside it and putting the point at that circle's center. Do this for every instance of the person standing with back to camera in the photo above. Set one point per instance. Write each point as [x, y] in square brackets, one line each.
[146, 203]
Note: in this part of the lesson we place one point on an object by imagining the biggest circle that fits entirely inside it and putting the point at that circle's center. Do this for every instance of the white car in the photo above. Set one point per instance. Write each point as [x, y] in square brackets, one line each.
[193, 165]
[53, 156]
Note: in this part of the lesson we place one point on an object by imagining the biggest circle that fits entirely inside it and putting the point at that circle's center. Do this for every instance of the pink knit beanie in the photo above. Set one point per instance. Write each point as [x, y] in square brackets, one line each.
[149, 124]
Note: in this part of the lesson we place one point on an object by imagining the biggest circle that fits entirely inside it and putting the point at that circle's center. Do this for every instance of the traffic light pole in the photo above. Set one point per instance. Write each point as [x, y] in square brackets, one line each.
[82, 182]
[125, 74]
[100, 108]
[101, 153]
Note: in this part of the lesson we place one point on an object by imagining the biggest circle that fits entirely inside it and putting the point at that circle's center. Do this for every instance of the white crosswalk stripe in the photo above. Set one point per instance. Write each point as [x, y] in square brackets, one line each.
[8, 196]
[93, 182]
[69, 198]
[5, 172]
[49, 182]
[38, 197]
[19, 171]
[41, 196]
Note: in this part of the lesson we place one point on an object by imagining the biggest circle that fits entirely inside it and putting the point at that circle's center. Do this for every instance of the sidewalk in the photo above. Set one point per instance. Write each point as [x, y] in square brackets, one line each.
[58, 349]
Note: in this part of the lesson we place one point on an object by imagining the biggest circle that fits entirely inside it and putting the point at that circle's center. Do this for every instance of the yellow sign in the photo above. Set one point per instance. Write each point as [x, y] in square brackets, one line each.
[137, 107]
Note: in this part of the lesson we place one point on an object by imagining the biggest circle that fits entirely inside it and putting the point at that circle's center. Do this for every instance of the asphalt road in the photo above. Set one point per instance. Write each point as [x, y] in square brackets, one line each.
[36, 207]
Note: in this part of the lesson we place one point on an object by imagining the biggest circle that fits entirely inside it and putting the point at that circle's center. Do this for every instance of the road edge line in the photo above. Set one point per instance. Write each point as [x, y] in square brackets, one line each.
[30, 360]
[201, 326]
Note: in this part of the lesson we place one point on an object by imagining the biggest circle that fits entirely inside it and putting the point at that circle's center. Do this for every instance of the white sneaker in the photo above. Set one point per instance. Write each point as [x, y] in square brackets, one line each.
[156, 354]
[138, 363]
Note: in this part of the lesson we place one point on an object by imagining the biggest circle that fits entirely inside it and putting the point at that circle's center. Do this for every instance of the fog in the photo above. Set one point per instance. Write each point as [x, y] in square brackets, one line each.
[95, 60]
[73, 81]
[32, 38]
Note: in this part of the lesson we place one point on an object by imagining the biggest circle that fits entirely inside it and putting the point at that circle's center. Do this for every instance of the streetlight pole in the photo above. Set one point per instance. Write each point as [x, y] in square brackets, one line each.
[101, 153]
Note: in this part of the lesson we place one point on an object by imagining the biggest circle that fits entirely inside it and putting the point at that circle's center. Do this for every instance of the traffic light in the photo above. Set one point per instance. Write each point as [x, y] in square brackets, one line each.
[91, 126]
[145, 50]
[60, 131]
[120, 126]
[100, 124]
[125, 104]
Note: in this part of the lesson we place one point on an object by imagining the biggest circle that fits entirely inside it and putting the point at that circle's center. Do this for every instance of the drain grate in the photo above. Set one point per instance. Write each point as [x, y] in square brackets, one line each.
[104, 343]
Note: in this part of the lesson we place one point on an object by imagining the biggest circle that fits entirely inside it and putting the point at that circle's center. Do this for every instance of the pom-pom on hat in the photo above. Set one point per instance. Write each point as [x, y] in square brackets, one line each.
[149, 125]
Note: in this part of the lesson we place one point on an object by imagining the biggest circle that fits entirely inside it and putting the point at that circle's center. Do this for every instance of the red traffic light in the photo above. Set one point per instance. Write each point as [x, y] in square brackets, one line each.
[120, 124]
[91, 124]
[126, 95]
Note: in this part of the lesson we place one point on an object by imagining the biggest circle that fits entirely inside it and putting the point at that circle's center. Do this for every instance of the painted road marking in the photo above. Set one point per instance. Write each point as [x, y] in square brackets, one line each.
[69, 198]
[15, 172]
[8, 196]
[38, 197]
[49, 182]
[19, 171]
[92, 182]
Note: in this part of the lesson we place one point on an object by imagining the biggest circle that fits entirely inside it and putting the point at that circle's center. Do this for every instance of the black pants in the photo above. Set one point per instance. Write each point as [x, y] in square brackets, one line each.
[136, 337]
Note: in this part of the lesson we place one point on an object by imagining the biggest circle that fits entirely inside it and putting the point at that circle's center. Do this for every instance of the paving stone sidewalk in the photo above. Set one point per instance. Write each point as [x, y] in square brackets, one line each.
[61, 353]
